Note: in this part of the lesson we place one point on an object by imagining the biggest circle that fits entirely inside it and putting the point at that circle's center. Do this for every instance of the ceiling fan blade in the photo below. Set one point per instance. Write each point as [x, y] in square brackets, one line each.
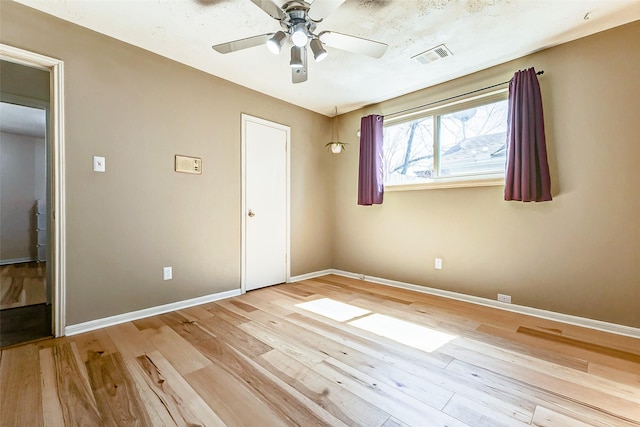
[236, 45]
[320, 9]
[270, 8]
[299, 75]
[353, 44]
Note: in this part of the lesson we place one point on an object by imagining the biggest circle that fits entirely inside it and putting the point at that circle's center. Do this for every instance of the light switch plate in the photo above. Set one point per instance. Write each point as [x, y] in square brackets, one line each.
[99, 164]
[187, 164]
[167, 273]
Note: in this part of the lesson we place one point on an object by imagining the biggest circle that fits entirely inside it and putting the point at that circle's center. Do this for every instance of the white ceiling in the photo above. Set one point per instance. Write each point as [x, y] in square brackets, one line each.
[480, 34]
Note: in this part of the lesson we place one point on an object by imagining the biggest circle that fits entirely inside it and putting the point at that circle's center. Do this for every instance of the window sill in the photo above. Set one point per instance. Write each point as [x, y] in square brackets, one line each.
[447, 183]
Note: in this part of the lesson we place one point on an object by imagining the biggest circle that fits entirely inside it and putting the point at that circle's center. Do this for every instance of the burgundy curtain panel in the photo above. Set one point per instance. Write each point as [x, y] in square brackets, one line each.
[527, 171]
[370, 176]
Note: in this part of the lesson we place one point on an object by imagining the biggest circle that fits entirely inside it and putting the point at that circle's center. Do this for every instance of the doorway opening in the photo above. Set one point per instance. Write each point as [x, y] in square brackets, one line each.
[25, 297]
[31, 197]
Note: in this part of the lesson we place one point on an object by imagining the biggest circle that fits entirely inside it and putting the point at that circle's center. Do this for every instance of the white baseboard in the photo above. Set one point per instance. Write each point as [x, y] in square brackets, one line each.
[147, 312]
[16, 261]
[536, 312]
[311, 275]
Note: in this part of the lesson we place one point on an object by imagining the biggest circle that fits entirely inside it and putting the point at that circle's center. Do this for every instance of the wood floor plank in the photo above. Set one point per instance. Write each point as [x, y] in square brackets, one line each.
[489, 381]
[247, 373]
[389, 399]
[51, 405]
[477, 413]
[247, 308]
[629, 366]
[294, 291]
[94, 342]
[497, 337]
[154, 322]
[394, 422]
[320, 412]
[116, 395]
[233, 400]
[129, 340]
[226, 314]
[156, 408]
[613, 374]
[326, 289]
[363, 287]
[495, 356]
[20, 382]
[188, 329]
[195, 313]
[545, 417]
[75, 395]
[182, 403]
[589, 346]
[184, 357]
[284, 344]
[267, 299]
[235, 336]
[348, 407]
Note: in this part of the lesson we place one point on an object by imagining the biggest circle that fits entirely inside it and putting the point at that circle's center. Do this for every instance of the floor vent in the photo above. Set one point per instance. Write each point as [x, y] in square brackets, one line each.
[433, 54]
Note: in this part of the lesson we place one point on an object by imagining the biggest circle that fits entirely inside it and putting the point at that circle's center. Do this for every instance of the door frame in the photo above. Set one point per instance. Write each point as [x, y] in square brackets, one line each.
[56, 170]
[245, 118]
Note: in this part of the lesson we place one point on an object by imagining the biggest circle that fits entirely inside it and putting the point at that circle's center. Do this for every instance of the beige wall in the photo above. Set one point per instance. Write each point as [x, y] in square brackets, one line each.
[580, 253]
[138, 110]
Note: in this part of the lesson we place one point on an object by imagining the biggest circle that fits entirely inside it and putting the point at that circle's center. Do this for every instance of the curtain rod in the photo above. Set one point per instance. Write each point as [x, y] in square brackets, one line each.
[539, 73]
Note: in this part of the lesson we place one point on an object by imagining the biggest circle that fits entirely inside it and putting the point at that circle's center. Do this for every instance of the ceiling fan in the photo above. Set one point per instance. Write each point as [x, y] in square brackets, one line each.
[298, 19]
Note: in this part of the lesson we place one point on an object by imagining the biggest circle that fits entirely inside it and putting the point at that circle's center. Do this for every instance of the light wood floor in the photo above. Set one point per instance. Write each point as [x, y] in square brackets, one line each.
[261, 360]
[22, 284]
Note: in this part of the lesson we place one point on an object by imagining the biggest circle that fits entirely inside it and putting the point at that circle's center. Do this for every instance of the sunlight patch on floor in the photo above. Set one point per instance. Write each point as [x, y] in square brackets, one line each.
[407, 333]
[332, 309]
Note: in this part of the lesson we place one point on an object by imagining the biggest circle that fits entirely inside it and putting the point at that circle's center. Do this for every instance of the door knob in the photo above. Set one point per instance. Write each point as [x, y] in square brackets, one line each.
[251, 213]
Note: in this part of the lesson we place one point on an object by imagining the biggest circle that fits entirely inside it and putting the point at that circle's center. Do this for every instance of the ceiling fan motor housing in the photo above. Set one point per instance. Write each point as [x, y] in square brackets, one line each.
[297, 23]
[298, 20]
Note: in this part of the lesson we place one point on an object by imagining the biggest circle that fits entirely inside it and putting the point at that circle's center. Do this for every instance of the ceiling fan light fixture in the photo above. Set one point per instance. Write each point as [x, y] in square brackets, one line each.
[319, 52]
[276, 42]
[299, 34]
[296, 57]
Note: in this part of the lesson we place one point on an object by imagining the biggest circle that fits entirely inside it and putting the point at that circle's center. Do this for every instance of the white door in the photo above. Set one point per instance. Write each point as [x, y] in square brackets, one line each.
[265, 203]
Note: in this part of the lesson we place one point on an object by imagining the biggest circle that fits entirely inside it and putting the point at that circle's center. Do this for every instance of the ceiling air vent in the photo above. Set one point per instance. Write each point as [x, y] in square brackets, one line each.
[433, 54]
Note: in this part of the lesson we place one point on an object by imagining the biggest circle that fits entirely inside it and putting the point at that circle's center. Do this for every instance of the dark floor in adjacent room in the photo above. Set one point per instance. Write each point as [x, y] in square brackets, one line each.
[24, 324]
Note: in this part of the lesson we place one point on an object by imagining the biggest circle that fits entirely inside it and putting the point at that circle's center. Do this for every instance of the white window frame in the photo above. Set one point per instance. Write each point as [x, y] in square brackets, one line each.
[458, 181]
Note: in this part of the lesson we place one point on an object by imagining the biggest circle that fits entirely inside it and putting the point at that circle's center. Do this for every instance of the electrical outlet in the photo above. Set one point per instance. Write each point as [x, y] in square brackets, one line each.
[362, 277]
[167, 273]
[438, 264]
[504, 298]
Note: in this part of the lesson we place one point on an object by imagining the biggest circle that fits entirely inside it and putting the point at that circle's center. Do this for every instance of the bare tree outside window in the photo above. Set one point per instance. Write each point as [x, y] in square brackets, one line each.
[471, 141]
[408, 151]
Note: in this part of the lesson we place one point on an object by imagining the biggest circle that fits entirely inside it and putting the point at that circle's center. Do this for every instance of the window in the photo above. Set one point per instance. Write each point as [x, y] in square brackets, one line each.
[458, 143]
